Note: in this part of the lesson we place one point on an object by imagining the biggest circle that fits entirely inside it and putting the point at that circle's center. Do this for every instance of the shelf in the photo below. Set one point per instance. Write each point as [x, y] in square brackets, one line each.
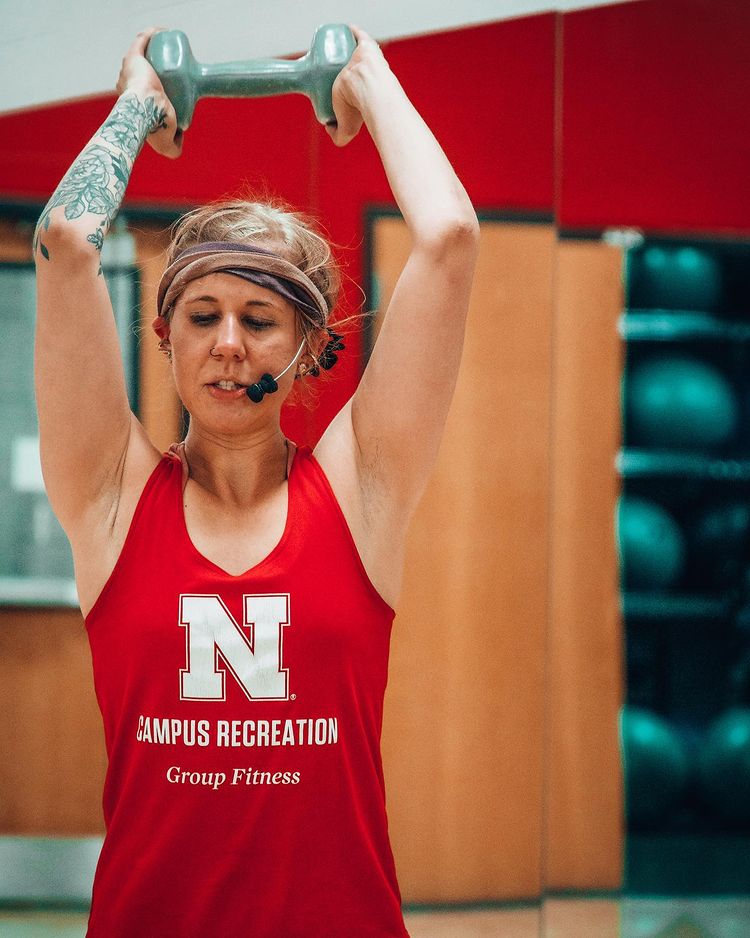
[700, 864]
[38, 591]
[673, 606]
[661, 325]
[640, 463]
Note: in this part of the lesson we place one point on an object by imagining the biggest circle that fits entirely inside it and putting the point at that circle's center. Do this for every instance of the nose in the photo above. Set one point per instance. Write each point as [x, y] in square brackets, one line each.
[228, 339]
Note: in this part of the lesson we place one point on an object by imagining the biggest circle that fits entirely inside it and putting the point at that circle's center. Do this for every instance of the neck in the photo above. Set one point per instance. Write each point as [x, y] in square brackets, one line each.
[237, 471]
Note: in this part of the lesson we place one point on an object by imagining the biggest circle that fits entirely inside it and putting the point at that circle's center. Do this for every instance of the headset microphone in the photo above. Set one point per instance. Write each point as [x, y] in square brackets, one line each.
[267, 383]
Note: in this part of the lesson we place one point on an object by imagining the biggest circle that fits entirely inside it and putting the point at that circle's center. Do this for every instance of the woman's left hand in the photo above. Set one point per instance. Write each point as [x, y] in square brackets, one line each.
[365, 69]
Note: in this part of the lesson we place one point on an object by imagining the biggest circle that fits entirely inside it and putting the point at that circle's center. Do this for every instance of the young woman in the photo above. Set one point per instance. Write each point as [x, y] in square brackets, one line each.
[238, 590]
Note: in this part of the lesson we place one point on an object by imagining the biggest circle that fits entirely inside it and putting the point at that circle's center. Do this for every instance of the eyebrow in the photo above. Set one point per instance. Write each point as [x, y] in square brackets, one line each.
[212, 299]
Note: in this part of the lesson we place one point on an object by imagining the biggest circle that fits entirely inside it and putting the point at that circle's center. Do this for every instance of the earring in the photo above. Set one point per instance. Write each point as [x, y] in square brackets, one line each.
[328, 357]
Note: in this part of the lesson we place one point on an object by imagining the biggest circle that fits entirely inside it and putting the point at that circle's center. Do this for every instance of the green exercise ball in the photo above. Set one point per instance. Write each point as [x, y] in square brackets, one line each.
[718, 540]
[680, 277]
[680, 403]
[724, 766]
[650, 544]
[656, 765]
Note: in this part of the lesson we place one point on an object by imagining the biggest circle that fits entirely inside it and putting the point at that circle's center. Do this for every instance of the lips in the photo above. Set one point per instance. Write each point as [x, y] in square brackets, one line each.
[223, 394]
[228, 380]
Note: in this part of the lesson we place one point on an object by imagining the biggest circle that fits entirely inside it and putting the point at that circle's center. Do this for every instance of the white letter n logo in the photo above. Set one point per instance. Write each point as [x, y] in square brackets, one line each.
[255, 661]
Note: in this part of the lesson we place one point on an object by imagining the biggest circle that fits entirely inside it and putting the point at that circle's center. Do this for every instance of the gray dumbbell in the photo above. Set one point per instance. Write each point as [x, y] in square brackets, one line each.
[185, 80]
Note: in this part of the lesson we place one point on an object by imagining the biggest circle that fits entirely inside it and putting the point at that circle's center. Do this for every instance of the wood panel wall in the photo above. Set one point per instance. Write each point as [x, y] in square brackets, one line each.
[464, 724]
[585, 681]
[500, 739]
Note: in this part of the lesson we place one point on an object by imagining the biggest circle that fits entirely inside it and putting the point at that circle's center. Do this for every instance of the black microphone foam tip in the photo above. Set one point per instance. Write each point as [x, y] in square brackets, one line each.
[268, 384]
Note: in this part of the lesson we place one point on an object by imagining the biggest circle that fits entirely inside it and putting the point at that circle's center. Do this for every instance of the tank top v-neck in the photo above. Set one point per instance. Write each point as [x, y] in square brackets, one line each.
[244, 794]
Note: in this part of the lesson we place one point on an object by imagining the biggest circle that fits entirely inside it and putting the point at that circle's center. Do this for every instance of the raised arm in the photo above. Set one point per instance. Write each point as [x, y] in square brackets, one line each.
[399, 410]
[81, 397]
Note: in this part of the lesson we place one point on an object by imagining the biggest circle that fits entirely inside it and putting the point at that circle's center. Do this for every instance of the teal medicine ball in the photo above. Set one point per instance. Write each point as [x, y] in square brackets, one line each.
[680, 403]
[681, 277]
[718, 541]
[656, 765]
[724, 766]
[650, 544]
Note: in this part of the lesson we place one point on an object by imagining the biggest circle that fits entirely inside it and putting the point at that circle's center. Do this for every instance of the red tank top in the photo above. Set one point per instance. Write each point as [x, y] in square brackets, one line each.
[244, 794]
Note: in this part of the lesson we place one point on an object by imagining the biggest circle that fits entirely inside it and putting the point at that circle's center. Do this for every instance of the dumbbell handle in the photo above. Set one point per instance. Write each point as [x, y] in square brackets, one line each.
[250, 78]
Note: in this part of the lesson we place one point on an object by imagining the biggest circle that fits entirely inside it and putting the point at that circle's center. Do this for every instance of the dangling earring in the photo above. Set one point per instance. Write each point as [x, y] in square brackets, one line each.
[163, 348]
[328, 357]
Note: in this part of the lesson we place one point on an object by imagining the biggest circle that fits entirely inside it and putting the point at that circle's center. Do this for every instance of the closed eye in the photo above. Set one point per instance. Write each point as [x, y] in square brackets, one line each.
[205, 319]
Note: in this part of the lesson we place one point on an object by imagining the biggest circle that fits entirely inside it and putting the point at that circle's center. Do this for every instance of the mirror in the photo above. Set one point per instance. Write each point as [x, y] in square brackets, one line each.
[651, 456]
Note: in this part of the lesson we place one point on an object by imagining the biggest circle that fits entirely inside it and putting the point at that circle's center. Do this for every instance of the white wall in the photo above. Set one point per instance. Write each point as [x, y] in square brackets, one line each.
[54, 50]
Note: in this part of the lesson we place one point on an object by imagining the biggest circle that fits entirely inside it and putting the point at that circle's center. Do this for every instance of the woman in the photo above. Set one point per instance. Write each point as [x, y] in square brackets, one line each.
[238, 590]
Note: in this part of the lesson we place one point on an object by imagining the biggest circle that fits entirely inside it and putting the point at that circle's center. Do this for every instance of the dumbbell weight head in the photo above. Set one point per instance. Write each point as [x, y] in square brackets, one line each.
[185, 80]
[172, 59]
[331, 48]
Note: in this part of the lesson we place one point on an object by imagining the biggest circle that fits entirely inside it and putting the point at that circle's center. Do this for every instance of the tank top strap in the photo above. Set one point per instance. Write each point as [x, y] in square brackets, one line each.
[155, 497]
[321, 515]
[178, 450]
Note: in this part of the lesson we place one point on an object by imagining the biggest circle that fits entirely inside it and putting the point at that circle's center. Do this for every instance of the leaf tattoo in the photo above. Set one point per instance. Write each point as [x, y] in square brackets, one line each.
[97, 180]
[124, 127]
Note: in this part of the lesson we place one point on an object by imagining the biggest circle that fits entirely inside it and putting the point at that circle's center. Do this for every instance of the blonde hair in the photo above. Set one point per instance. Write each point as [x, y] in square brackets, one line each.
[294, 235]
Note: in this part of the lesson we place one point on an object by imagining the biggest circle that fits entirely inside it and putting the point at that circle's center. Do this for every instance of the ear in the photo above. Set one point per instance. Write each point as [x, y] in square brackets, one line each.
[161, 327]
[315, 344]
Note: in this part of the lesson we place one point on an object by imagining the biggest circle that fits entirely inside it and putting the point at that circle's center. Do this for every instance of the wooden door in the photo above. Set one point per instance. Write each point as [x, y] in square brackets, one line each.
[463, 739]
[584, 839]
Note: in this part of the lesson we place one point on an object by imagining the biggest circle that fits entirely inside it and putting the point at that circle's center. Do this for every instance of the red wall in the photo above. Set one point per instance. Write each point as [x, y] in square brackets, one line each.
[655, 131]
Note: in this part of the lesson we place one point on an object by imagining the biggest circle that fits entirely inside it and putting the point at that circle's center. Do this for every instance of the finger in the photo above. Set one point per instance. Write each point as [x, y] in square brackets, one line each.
[173, 149]
[138, 46]
[150, 30]
[335, 134]
[359, 33]
[356, 32]
[144, 37]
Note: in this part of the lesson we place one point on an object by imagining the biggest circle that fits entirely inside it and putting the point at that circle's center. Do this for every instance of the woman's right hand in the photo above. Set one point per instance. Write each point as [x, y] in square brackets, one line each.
[138, 74]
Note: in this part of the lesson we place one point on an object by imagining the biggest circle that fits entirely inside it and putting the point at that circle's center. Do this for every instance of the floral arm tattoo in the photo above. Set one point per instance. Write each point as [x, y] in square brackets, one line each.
[97, 180]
